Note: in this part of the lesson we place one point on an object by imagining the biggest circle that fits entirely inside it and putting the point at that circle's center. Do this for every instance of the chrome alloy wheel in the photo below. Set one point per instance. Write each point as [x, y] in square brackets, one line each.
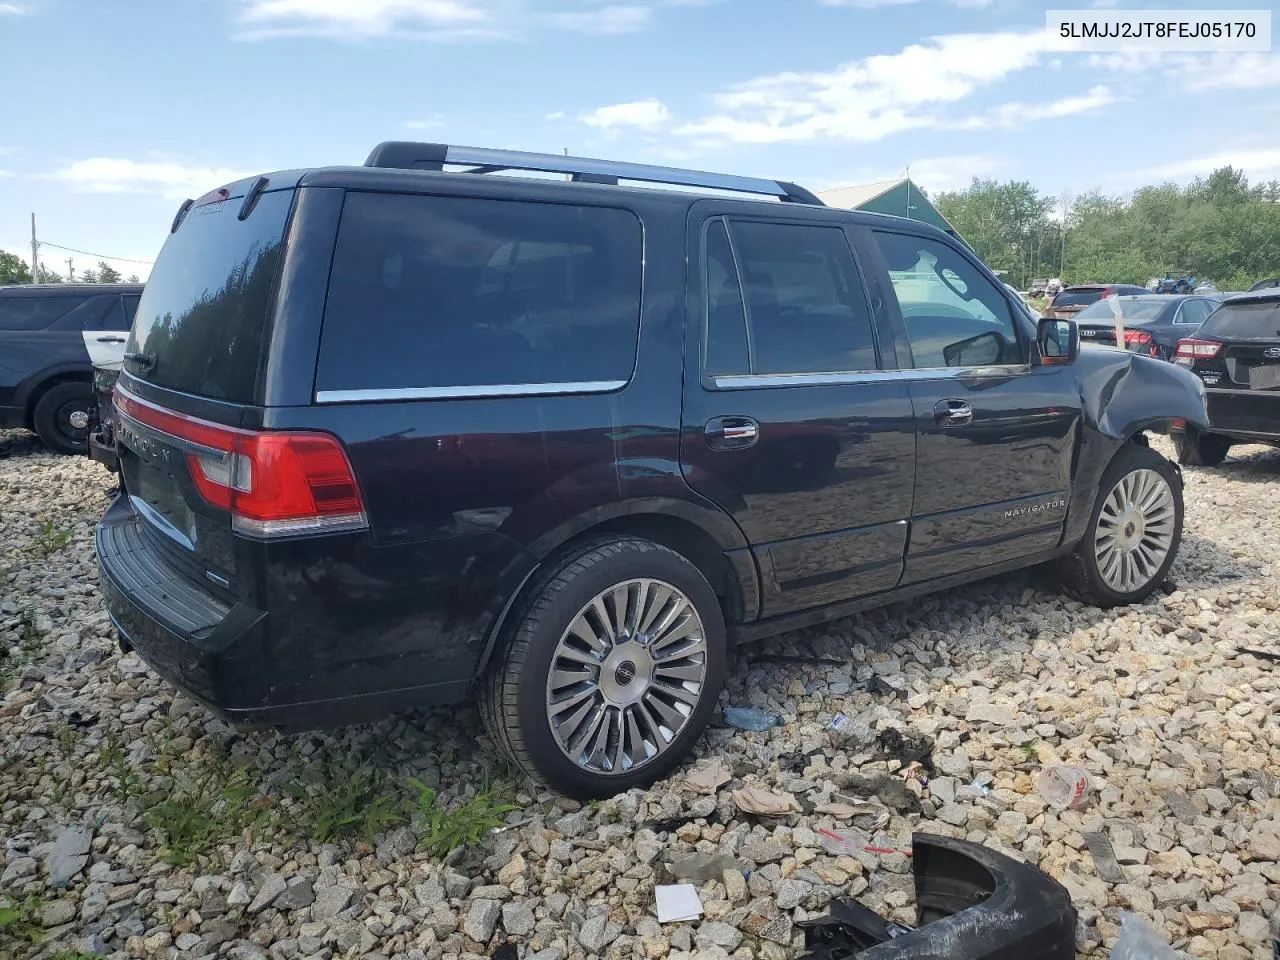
[626, 676]
[1135, 530]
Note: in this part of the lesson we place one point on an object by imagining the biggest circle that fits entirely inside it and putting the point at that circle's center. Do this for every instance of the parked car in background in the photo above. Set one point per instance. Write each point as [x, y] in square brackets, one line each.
[1069, 301]
[102, 444]
[1236, 353]
[50, 336]
[1052, 287]
[1272, 283]
[1153, 323]
[1037, 288]
[557, 442]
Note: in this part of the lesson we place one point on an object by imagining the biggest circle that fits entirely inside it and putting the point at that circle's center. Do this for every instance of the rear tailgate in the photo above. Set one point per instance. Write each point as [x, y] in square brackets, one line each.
[197, 344]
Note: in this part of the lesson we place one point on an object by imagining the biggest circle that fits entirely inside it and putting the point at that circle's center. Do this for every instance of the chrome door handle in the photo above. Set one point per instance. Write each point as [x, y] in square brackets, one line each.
[952, 413]
[111, 339]
[731, 433]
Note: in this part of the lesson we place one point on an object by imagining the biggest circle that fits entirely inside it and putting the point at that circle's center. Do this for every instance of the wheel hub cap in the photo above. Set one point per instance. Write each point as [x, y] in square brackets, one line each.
[1135, 531]
[626, 676]
[78, 419]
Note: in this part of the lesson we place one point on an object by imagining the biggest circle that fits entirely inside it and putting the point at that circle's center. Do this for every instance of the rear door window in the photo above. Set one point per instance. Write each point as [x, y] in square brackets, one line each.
[1077, 298]
[460, 296]
[35, 313]
[1194, 311]
[202, 320]
[1259, 320]
[805, 308]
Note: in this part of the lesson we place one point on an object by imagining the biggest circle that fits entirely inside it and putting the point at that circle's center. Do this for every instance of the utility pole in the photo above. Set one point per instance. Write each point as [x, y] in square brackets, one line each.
[1066, 205]
[567, 176]
[71, 274]
[35, 256]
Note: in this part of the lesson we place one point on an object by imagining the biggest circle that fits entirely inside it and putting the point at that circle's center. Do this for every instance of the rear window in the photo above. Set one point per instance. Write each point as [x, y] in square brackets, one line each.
[1077, 298]
[203, 314]
[451, 293]
[1134, 311]
[1258, 320]
[35, 313]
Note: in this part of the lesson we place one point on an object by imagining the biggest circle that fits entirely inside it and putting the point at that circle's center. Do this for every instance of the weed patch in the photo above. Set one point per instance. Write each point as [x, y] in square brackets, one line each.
[204, 808]
[441, 831]
[29, 646]
[50, 538]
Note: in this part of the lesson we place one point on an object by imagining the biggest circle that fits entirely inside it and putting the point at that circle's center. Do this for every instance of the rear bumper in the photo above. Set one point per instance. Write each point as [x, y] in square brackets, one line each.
[220, 653]
[1245, 414]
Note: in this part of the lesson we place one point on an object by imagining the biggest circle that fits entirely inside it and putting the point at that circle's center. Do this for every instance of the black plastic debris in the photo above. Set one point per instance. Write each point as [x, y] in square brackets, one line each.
[971, 904]
[893, 745]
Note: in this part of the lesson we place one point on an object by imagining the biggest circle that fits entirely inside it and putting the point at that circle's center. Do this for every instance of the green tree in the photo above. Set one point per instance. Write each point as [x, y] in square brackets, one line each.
[133, 278]
[88, 276]
[107, 273]
[48, 276]
[13, 269]
[1007, 224]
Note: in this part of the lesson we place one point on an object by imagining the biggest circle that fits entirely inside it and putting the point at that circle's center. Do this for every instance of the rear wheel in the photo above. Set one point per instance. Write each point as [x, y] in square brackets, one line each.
[61, 417]
[611, 672]
[1196, 449]
[1134, 530]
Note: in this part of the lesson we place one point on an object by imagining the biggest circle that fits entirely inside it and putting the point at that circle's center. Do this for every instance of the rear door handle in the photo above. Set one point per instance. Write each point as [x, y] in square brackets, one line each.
[952, 413]
[731, 433]
[111, 339]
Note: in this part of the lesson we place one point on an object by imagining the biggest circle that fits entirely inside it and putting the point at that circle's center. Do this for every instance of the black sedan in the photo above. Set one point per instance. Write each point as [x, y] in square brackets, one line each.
[1153, 323]
[1237, 356]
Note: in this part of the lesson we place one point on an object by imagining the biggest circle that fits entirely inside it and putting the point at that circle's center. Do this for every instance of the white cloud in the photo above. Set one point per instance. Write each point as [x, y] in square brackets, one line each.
[641, 113]
[7, 173]
[1011, 116]
[13, 9]
[1256, 162]
[362, 19]
[1231, 71]
[875, 97]
[555, 115]
[433, 122]
[171, 180]
[602, 20]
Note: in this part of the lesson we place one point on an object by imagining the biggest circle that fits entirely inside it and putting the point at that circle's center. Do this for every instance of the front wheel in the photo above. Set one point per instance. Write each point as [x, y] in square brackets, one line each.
[1133, 533]
[611, 672]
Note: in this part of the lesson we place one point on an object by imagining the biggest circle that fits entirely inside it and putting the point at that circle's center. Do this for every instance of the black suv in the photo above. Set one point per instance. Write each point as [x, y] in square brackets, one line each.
[49, 338]
[395, 434]
[1237, 355]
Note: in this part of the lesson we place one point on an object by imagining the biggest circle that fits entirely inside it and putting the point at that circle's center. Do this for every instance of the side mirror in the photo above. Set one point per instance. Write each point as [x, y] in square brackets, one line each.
[1057, 342]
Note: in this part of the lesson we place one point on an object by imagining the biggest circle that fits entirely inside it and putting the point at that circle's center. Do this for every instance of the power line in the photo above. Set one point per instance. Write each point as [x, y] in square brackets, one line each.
[100, 256]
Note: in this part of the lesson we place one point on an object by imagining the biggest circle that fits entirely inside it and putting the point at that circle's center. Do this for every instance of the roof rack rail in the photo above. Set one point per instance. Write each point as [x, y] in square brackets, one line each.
[406, 155]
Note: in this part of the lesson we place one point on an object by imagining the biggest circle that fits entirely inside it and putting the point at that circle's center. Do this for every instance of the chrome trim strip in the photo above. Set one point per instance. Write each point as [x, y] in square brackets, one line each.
[550, 163]
[741, 381]
[163, 436]
[470, 392]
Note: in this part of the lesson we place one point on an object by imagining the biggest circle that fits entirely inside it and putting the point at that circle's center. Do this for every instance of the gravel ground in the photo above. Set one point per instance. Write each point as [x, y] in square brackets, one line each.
[136, 825]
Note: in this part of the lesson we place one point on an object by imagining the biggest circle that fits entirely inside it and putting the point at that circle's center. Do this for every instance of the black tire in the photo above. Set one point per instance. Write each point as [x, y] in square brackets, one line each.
[1197, 449]
[58, 411]
[1080, 570]
[514, 694]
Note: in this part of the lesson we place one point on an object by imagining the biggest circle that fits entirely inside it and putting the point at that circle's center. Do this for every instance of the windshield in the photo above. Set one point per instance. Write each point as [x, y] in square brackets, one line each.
[1258, 320]
[1133, 311]
[1077, 298]
[202, 319]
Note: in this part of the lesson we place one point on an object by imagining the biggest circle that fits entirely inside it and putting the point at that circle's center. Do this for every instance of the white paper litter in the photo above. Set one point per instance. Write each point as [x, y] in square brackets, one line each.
[678, 902]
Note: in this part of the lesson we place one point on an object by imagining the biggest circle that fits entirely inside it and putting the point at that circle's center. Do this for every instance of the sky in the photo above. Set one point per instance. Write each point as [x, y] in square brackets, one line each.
[116, 111]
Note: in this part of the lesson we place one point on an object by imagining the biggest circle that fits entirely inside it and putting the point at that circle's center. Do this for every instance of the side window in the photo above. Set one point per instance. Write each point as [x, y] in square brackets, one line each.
[130, 309]
[954, 315]
[442, 292]
[100, 313]
[727, 349]
[805, 307]
[34, 313]
[1194, 311]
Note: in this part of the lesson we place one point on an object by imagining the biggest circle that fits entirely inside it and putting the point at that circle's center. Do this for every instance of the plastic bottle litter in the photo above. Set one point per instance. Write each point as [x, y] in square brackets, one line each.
[1138, 941]
[852, 730]
[751, 718]
[1063, 786]
[851, 843]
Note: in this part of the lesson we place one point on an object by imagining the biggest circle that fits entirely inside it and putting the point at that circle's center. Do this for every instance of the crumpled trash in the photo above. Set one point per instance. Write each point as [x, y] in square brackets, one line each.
[889, 791]
[764, 803]
[708, 778]
[1138, 940]
[843, 810]
[700, 868]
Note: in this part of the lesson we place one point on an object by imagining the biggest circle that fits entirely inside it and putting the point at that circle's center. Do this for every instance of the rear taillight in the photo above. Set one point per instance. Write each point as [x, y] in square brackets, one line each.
[1141, 340]
[273, 483]
[1198, 349]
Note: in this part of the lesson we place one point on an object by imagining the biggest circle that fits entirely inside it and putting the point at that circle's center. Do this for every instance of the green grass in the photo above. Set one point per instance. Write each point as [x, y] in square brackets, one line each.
[204, 808]
[19, 921]
[347, 801]
[112, 755]
[441, 831]
[29, 646]
[50, 538]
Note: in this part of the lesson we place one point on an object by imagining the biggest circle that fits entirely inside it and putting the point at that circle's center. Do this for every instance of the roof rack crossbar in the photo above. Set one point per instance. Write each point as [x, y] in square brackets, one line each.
[407, 155]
